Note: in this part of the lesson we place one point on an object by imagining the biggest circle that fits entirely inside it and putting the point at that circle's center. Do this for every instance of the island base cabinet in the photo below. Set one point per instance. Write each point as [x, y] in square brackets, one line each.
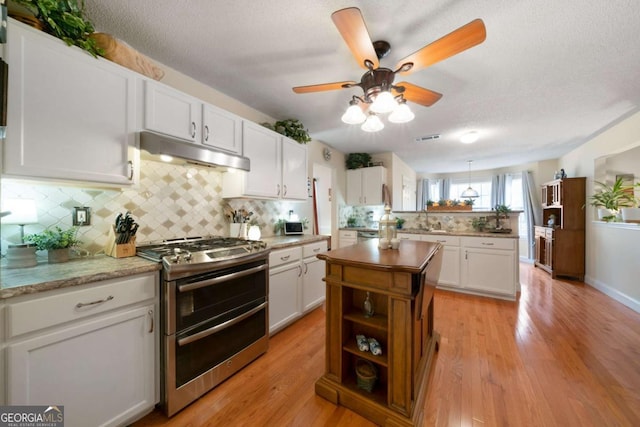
[99, 371]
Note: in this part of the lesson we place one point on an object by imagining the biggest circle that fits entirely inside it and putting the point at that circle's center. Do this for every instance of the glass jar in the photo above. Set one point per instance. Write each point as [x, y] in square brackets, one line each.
[387, 230]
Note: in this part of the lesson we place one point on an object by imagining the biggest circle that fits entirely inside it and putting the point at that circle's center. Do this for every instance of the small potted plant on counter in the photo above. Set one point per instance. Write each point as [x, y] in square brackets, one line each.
[56, 242]
[399, 223]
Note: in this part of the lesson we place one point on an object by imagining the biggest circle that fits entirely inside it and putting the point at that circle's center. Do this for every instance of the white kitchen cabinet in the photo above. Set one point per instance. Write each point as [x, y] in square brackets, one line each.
[313, 287]
[3, 380]
[92, 348]
[285, 270]
[364, 186]
[171, 112]
[450, 271]
[278, 167]
[489, 265]
[295, 283]
[71, 116]
[347, 238]
[221, 129]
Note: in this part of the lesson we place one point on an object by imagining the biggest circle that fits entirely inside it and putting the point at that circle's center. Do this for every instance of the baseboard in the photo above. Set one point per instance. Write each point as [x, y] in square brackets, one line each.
[622, 298]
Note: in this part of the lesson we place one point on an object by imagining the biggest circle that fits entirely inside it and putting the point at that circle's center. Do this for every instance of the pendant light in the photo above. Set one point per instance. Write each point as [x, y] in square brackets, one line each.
[469, 193]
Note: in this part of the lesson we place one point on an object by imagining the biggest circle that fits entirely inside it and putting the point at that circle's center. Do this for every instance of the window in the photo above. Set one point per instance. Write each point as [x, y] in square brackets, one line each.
[480, 184]
[434, 186]
[515, 200]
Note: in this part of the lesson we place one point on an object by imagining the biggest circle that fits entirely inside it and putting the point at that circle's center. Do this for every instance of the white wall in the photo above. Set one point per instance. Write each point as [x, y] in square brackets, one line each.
[612, 252]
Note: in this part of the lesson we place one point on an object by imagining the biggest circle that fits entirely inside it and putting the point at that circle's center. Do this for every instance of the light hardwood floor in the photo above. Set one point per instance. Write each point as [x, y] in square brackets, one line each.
[564, 354]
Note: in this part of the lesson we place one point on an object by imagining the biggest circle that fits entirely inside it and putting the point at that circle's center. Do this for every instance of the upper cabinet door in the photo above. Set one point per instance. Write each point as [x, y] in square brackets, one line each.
[354, 187]
[294, 170]
[70, 116]
[262, 146]
[221, 129]
[171, 112]
[372, 180]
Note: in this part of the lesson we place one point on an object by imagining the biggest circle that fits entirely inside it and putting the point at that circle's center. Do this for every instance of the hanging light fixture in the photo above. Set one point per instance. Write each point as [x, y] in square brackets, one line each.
[469, 193]
[372, 124]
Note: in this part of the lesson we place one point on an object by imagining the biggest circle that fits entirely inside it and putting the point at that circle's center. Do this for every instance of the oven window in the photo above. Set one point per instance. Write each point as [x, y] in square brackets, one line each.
[217, 301]
[198, 357]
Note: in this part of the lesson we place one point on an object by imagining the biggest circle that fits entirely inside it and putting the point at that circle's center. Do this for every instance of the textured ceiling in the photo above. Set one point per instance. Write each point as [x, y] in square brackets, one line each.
[549, 75]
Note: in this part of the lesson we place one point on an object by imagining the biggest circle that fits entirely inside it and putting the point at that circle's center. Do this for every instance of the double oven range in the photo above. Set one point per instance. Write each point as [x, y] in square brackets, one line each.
[214, 312]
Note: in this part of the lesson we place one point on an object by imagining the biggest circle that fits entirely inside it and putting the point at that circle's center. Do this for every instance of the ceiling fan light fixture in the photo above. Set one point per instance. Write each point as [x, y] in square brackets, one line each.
[402, 114]
[372, 124]
[354, 115]
[469, 137]
[384, 103]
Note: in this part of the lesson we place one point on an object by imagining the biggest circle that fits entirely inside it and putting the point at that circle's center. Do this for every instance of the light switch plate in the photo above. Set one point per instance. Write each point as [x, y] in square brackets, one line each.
[81, 216]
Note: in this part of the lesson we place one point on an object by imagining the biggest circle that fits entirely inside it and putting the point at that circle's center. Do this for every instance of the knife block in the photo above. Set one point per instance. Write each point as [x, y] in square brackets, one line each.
[123, 250]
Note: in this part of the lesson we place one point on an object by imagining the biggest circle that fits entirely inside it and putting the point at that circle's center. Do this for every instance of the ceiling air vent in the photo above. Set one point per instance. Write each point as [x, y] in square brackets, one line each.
[427, 138]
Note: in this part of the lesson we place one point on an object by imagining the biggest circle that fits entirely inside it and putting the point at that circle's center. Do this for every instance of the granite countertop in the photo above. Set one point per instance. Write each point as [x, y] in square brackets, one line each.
[460, 233]
[78, 271]
[280, 242]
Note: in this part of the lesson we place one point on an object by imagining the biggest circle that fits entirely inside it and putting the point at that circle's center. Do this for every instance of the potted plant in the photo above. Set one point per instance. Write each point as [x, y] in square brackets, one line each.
[400, 222]
[291, 128]
[56, 242]
[357, 160]
[65, 20]
[610, 198]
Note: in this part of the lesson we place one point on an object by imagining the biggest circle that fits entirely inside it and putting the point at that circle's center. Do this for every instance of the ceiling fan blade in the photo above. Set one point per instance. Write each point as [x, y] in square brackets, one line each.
[322, 87]
[418, 94]
[351, 26]
[453, 43]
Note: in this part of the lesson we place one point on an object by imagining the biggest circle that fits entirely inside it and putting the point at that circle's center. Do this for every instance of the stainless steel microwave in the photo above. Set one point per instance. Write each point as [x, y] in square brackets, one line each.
[294, 227]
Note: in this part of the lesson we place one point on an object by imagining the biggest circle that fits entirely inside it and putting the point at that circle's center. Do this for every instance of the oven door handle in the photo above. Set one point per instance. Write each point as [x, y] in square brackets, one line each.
[226, 277]
[220, 327]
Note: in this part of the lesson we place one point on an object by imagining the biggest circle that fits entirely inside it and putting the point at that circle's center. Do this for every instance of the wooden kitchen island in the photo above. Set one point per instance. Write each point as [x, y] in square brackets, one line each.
[400, 284]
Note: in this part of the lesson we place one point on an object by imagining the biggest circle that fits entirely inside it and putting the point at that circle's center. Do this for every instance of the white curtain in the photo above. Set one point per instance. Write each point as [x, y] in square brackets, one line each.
[445, 188]
[498, 189]
[531, 211]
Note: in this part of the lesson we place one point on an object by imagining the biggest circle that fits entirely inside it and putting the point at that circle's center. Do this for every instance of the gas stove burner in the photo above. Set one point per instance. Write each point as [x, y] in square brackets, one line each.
[197, 250]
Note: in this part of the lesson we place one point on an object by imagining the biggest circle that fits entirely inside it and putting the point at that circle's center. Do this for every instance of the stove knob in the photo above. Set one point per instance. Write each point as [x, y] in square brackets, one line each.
[176, 255]
[187, 256]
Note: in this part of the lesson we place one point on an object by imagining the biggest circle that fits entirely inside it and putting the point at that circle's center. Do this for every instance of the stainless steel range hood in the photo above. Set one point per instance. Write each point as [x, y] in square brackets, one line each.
[156, 143]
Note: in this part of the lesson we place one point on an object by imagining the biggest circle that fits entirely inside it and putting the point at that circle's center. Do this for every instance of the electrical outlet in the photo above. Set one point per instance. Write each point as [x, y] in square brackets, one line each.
[81, 216]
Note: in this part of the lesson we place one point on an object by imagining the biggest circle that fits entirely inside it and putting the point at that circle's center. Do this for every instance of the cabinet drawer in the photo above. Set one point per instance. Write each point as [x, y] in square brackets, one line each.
[445, 240]
[540, 231]
[348, 234]
[42, 312]
[549, 233]
[284, 256]
[488, 243]
[313, 249]
[408, 236]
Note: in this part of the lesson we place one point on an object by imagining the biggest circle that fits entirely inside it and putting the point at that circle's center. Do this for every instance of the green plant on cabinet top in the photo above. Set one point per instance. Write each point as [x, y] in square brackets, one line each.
[291, 128]
[65, 19]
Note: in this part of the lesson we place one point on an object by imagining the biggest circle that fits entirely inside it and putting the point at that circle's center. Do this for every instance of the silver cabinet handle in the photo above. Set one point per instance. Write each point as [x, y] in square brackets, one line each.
[130, 170]
[284, 258]
[206, 132]
[306, 268]
[193, 129]
[284, 193]
[300, 270]
[150, 313]
[85, 304]
[316, 250]
[278, 193]
[465, 255]
[441, 241]
[487, 244]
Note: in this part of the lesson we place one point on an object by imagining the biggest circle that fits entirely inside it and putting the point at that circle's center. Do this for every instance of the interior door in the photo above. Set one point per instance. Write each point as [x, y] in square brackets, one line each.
[322, 176]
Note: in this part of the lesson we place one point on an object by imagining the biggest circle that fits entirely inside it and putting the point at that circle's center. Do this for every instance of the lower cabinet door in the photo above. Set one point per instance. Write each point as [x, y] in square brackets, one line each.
[313, 288]
[102, 371]
[284, 295]
[450, 272]
[489, 270]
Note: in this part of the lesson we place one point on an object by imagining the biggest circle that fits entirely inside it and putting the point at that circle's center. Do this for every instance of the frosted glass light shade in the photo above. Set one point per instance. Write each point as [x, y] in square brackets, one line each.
[402, 114]
[384, 103]
[373, 124]
[469, 193]
[354, 115]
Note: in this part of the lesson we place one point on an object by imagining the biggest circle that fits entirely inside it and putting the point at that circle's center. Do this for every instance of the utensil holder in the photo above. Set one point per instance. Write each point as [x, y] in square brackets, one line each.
[122, 250]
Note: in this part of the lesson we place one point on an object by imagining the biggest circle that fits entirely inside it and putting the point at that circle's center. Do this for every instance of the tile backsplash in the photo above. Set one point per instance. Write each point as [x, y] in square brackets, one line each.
[169, 201]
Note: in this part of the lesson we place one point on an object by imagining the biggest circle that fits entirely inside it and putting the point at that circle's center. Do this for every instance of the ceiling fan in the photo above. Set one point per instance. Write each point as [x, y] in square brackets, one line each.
[377, 82]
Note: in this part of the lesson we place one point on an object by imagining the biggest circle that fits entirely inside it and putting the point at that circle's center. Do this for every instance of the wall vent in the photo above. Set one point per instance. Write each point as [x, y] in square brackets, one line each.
[427, 138]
